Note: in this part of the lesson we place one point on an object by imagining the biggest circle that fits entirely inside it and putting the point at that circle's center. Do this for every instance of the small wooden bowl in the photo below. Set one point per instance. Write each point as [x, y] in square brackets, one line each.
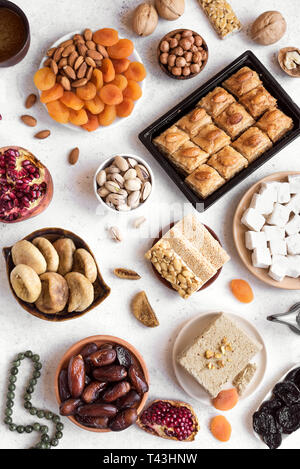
[52, 234]
[165, 68]
[99, 340]
[25, 47]
[295, 72]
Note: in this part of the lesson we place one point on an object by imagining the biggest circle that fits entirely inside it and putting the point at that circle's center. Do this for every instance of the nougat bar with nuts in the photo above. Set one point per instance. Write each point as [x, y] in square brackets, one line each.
[221, 16]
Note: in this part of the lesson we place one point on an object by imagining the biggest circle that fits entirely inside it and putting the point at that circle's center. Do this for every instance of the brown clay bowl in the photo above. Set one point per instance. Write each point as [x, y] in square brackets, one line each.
[25, 47]
[45, 201]
[52, 234]
[165, 68]
[295, 72]
[164, 281]
[99, 340]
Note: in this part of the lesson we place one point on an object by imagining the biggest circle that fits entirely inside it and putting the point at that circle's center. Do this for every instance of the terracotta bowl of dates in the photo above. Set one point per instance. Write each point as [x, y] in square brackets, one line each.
[136, 360]
[101, 290]
[178, 57]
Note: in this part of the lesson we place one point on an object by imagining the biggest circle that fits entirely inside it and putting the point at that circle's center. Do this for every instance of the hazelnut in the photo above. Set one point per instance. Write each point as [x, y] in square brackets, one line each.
[185, 44]
[176, 71]
[194, 48]
[173, 42]
[164, 58]
[171, 60]
[197, 57]
[198, 41]
[178, 51]
[195, 68]
[186, 71]
[165, 46]
[178, 36]
[204, 55]
[187, 33]
[145, 19]
[180, 62]
[170, 9]
[188, 56]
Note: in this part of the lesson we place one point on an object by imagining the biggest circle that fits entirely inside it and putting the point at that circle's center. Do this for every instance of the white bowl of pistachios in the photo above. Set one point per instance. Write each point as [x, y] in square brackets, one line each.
[123, 183]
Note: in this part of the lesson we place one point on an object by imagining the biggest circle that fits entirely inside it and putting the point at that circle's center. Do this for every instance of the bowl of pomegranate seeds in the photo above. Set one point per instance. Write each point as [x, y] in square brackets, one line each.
[26, 186]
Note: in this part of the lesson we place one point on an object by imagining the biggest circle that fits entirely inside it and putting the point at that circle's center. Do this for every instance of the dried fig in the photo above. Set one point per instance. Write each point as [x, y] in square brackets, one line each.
[170, 9]
[145, 19]
[49, 253]
[54, 294]
[85, 264]
[26, 253]
[65, 249]
[143, 311]
[81, 292]
[26, 283]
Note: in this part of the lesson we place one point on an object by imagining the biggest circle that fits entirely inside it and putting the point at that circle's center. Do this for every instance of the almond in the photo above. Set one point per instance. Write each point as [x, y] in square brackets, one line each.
[68, 50]
[235, 118]
[54, 67]
[191, 152]
[79, 83]
[66, 43]
[82, 71]
[89, 61]
[65, 83]
[244, 76]
[30, 101]
[72, 58]
[203, 175]
[88, 34]
[62, 63]
[89, 73]
[47, 62]
[51, 51]
[102, 51]
[78, 37]
[82, 49]
[29, 120]
[197, 115]
[94, 54]
[78, 62]
[57, 54]
[219, 97]
[43, 134]
[69, 72]
[91, 45]
[74, 156]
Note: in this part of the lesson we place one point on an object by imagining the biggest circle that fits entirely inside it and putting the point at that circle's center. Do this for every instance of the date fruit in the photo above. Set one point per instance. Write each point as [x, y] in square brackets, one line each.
[92, 391]
[76, 376]
[69, 407]
[93, 422]
[130, 401]
[123, 356]
[63, 386]
[110, 373]
[115, 392]
[138, 380]
[97, 410]
[123, 420]
[103, 357]
[88, 349]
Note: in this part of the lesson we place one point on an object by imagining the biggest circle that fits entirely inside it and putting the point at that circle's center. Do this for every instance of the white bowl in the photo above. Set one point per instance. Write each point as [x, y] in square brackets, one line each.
[134, 57]
[107, 163]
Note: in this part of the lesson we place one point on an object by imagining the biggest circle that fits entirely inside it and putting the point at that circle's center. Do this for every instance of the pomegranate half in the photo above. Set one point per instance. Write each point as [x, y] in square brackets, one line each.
[174, 420]
[26, 186]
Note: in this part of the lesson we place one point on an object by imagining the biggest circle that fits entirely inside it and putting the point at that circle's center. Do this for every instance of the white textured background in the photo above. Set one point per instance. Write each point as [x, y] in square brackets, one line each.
[74, 208]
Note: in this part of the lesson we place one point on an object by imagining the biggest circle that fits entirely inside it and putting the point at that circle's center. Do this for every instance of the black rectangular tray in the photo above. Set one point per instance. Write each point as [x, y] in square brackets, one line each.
[284, 101]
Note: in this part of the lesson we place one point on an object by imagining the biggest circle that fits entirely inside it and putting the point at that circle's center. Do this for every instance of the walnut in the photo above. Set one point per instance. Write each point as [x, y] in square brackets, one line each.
[145, 19]
[170, 9]
[268, 28]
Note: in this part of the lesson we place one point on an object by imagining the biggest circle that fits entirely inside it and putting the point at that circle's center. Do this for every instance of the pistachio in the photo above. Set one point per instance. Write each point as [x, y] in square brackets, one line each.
[146, 191]
[138, 222]
[112, 186]
[130, 174]
[121, 163]
[115, 234]
[133, 184]
[133, 198]
[101, 178]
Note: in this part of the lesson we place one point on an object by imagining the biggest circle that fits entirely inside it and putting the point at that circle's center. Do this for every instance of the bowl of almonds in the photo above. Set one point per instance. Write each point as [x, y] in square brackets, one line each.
[123, 183]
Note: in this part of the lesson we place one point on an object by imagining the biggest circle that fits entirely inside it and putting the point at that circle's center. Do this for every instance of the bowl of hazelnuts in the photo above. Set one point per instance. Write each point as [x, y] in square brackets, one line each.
[182, 54]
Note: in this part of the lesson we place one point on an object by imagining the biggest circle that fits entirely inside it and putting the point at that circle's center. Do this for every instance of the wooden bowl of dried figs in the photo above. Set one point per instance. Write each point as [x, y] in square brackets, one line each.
[54, 275]
[99, 406]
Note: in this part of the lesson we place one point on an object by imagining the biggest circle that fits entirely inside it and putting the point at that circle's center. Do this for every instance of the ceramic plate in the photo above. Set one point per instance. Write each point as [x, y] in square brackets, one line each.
[135, 57]
[239, 231]
[190, 331]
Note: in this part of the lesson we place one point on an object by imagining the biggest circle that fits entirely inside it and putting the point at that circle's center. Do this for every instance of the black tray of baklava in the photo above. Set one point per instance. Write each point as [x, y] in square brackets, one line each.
[224, 131]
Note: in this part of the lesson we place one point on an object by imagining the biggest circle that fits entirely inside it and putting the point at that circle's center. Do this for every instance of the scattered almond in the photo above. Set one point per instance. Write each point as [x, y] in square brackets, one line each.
[43, 134]
[74, 155]
[30, 101]
[29, 120]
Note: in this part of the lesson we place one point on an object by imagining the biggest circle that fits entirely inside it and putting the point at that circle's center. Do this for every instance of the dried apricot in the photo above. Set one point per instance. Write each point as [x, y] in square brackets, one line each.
[136, 71]
[220, 428]
[92, 123]
[121, 50]
[108, 70]
[133, 90]
[111, 94]
[226, 400]
[53, 94]
[242, 290]
[120, 65]
[72, 101]
[58, 111]
[120, 81]
[95, 106]
[44, 79]
[125, 108]
[97, 78]
[78, 117]
[107, 116]
[106, 37]
[87, 92]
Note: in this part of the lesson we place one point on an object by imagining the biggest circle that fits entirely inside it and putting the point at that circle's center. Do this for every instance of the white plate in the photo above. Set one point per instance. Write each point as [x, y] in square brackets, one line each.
[135, 57]
[193, 329]
[268, 397]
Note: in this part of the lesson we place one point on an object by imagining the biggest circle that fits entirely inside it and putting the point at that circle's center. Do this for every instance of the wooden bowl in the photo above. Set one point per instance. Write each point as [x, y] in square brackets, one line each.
[295, 72]
[164, 281]
[239, 231]
[52, 234]
[99, 340]
[165, 68]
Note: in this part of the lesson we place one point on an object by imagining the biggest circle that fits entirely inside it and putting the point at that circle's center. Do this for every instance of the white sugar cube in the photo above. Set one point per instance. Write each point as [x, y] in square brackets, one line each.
[255, 239]
[279, 268]
[294, 181]
[278, 246]
[284, 194]
[262, 204]
[273, 232]
[293, 244]
[280, 216]
[293, 226]
[270, 190]
[253, 219]
[293, 266]
[294, 204]
[261, 258]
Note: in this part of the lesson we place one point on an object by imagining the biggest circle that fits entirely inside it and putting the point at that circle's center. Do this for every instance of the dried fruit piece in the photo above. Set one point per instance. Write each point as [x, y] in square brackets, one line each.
[69, 407]
[71, 100]
[273, 441]
[287, 392]
[97, 78]
[117, 391]
[81, 292]
[126, 274]
[63, 386]
[92, 123]
[103, 357]
[123, 420]
[26, 283]
[24, 252]
[86, 92]
[97, 410]
[76, 376]
[138, 380]
[173, 420]
[130, 401]
[111, 373]
[58, 111]
[125, 108]
[136, 71]
[226, 400]
[220, 428]
[289, 418]
[143, 311]
[53, 94]
[264, 422]
[106, 37]
[111, 95]
[121, 50]
[79, 118]
[108, 116]
[108, 70]
[54, 294]
[242, 290]
[133, 91]
[123, 356]
[120, 81]
[65, 248]
[44, 79]
[85, 264]
[49, 253]
[92, 391]
[93, 422]
[120, 65]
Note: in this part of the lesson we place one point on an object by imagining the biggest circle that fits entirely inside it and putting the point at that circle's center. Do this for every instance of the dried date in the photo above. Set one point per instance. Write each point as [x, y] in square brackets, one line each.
[130, 401]
[110, 373]
[89, 349]
[69, 407]
[123, 356]
[103, 357]
[76, 376]
[97, 410]
[115, 392]
[123, 420]
[92, 391]
[63, 386]
[138, 380]
[93, 422]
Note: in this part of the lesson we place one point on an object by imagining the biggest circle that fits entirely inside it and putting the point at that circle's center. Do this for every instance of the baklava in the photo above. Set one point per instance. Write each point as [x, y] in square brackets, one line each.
[188, 157]
[234, 120]
[192, 122]
[216, 101]
[205, 180]
[242, 81]
[228, 162]
[211, 139]
[170, 140]
[258, 101]
[275, 124]
[252, 143]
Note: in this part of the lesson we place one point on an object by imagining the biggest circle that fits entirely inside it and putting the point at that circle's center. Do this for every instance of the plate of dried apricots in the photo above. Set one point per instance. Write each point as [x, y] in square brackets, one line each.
[91, 80]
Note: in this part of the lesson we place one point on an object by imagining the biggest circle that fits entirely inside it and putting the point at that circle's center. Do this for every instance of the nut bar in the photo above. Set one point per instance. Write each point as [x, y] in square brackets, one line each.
[221, 16]
[172, 268]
